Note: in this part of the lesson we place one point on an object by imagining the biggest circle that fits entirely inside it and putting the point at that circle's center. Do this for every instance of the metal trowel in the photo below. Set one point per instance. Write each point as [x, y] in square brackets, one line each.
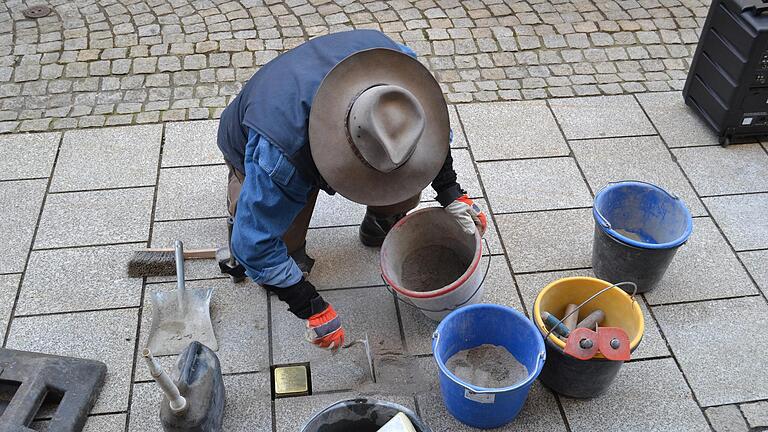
[367, 347]
[181, 316]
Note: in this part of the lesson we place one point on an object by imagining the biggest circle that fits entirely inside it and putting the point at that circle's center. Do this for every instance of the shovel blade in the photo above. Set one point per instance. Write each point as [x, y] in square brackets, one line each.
[173, 328]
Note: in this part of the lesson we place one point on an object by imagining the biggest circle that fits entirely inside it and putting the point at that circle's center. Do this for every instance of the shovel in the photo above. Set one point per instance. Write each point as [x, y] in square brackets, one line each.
[367, 347]
[182, 316]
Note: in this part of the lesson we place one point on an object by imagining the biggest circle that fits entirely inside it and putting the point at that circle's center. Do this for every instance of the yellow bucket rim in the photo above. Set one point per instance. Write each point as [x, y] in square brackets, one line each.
[556, 340]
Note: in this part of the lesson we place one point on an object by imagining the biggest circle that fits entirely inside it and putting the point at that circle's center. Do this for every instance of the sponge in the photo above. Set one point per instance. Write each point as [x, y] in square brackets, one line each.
[398, 423]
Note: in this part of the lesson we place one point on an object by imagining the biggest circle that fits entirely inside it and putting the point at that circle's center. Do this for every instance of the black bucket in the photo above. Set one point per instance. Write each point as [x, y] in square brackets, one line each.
[638, 229]
[360, 415]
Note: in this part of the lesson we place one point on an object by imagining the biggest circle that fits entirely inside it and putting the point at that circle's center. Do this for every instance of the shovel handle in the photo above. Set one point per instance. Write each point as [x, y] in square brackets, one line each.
[179, 249]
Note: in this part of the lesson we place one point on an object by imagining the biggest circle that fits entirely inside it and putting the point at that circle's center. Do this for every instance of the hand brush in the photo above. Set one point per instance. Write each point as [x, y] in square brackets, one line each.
[162, 262]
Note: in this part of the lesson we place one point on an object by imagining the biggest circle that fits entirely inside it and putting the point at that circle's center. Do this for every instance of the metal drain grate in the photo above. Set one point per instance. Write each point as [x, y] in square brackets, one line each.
[35, 12]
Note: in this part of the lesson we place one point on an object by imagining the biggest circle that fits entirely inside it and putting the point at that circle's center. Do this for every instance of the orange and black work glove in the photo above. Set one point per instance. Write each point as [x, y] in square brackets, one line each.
[468, 215]
[323, 324]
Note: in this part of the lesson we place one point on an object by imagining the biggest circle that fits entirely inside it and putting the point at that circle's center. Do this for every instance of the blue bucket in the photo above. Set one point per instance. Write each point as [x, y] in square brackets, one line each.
[479, 324]
[638, 228]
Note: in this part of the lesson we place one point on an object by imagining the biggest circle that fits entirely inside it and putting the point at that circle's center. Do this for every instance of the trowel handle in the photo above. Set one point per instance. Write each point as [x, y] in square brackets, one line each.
[179, 247]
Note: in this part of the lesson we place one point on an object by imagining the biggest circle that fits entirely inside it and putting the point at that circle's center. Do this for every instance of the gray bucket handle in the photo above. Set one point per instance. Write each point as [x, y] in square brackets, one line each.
[603, 221]
[634, 293]
[482, 281]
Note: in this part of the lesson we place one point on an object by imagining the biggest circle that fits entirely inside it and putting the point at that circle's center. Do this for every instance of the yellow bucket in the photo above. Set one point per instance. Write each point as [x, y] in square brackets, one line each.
[621, 309]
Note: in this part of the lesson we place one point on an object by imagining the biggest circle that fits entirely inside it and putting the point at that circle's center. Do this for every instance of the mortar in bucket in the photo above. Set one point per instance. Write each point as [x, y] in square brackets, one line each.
[476, 325]
[360, 415]
[568, 375]
[432, 264]
[638, 229]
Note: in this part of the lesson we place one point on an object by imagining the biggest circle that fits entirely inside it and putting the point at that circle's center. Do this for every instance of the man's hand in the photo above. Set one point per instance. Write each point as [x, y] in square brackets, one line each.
[468, 215]
[325, 330]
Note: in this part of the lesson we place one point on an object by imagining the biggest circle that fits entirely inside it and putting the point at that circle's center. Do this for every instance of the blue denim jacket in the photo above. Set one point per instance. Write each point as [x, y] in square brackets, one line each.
[273, 193]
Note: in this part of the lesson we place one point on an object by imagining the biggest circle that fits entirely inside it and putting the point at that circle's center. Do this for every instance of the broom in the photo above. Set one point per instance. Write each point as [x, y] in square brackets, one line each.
[162, 262]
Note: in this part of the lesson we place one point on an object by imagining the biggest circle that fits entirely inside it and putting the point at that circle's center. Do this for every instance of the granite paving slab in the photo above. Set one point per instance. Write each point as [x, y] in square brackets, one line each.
[239, 318]
[725, 170]
[192, 193]
[459, 140]
[511, 130]
[757, 265]
[756, 413]
[335, 210]
[68, 280]
[107, 158]
[678, 124]
[640, 385]
[341, 261]
[466, 175]
[26, 156]
[96, 217]
[601, 117]
[726, 418]
[365, 310]
[247, 408]
[717, 274]
[498, 288]
[551, 240]
[96, 423]
[742, 219]
[20, 203]
[191, 143]
[721, 362]
[108, 336]
[652, 345]
[534, 184]
[638, 158]
[291, 414]
[194, 234]
[9, 285]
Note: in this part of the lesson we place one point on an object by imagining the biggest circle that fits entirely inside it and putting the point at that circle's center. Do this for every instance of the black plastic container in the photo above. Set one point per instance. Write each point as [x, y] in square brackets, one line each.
[360, 415]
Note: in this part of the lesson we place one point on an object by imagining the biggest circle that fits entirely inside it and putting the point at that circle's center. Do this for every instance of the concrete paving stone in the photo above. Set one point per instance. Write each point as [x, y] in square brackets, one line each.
[531, 284]
[191, 143]
[9, 285]
[720, 170]
[725, 366]
[459, 139]
[97, 423]
[334, 210]
[107, 158]
[540, 413]
[107, 336]
[534, 184]
[640, 158]
[20, 203]
[756, 413]
[677, 123]
[551, 240]
[239, 317]
[757, 265]
[640, 385]
[718, 272]
[247, 408]
[291, 414]
[491, 235]
[742, 219]
[68, 280]
[341, 261]
[362, 311]
[499, 288]
[25, 156]
[96, 217]
[726, 418]
[466, 175]
[509, 130]
[192, 193]
[601, 117]
[195, 234]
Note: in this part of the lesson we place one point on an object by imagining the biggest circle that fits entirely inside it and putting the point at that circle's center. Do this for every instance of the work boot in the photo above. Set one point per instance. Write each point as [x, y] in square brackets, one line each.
[304, 261]
[375, 228]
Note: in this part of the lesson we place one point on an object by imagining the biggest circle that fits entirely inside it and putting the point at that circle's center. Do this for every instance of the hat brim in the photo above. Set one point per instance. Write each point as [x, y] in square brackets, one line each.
[332, 150]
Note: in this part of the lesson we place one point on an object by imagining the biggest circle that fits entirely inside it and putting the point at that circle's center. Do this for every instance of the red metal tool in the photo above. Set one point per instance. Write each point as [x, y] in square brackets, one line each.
[612, 342]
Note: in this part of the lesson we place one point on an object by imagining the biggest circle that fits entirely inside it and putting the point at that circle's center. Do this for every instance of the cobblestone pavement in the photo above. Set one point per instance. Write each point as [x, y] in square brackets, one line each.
[74, 204]
[109, 62]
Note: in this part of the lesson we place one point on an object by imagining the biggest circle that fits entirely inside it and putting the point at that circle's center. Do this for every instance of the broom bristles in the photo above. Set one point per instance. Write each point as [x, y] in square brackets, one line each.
[152, 263]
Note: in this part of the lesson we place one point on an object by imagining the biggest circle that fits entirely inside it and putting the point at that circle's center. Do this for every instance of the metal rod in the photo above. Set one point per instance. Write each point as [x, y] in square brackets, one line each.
[171, 391]
[180, 289]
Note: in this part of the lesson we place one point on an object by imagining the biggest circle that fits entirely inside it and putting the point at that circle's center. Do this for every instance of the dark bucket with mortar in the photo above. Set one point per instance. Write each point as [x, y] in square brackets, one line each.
[360, 415]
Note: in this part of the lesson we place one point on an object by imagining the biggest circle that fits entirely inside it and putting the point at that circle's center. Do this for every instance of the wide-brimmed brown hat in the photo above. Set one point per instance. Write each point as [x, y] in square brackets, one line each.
[378, 127]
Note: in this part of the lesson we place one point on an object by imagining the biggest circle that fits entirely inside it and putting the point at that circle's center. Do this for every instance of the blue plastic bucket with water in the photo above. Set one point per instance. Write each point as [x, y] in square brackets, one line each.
[638, 229]
[479, 324]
